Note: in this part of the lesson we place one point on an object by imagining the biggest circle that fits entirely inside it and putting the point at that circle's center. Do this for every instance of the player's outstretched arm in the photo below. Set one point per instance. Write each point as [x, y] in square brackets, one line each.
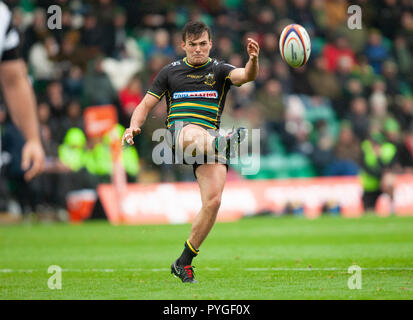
[21, 103]
[138, 118]
[240, 76]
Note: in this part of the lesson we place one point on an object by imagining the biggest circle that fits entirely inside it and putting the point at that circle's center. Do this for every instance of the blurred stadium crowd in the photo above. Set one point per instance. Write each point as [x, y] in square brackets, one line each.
[349, 111]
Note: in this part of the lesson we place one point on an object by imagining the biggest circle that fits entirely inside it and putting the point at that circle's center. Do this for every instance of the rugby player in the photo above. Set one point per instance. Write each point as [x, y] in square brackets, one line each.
[195, 89]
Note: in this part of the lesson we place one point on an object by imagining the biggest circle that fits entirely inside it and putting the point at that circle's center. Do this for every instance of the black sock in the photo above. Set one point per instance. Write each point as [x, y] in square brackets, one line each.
[188, 254]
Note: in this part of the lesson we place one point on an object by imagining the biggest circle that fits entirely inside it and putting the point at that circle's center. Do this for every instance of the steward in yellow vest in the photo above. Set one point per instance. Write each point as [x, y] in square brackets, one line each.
[378, 158]
[99, 159]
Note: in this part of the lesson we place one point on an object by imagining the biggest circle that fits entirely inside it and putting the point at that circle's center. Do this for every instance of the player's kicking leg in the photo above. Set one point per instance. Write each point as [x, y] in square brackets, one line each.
[227, 146]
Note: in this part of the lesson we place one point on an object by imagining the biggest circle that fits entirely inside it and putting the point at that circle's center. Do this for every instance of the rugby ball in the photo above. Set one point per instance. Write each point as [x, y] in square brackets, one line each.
[295, 45]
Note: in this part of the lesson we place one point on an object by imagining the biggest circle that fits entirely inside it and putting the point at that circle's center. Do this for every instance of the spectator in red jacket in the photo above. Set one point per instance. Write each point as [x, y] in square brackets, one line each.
[334, 51]
[130, 96]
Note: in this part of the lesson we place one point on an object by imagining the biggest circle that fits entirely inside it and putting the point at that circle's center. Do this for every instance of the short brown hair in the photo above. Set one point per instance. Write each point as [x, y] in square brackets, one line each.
[195, 29]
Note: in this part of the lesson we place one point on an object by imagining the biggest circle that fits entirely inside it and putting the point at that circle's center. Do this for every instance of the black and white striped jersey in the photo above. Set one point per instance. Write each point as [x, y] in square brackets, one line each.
[9, 37]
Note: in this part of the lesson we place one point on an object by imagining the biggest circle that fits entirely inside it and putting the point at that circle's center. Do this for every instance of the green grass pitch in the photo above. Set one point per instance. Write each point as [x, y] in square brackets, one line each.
[254, 258]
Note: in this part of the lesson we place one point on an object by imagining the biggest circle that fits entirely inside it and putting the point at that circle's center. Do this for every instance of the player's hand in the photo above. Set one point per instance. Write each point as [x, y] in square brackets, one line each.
[32, 154]
[129, 134]
[253, 49]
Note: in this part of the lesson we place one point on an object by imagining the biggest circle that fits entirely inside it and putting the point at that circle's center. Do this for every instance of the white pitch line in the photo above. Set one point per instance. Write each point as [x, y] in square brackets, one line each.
[329, 269]
[6, 270]
[293, 269]
[106, 270]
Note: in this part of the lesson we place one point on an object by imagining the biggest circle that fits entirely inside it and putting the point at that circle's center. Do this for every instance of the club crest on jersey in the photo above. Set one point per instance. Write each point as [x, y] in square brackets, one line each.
[196, 94]
[209, 79]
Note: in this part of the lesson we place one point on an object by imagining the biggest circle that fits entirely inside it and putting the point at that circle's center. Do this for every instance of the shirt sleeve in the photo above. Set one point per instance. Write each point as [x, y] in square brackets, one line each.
[225, 69]
[160, 84]
[11, 44]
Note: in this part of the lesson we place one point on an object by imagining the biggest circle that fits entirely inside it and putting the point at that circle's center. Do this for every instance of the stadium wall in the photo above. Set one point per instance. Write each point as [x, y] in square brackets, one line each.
[180, 202]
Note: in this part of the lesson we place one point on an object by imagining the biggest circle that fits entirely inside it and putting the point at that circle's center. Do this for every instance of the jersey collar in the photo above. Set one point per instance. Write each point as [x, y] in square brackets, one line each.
[192, 66]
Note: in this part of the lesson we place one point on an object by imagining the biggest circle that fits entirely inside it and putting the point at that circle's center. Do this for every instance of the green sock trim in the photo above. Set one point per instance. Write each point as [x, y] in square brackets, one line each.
[216, 143]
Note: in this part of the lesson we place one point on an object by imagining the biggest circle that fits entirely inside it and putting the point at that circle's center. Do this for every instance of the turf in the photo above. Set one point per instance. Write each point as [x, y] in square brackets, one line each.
[255, 258]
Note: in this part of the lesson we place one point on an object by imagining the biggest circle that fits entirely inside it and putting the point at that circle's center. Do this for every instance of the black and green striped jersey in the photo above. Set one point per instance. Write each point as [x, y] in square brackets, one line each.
[195, 94]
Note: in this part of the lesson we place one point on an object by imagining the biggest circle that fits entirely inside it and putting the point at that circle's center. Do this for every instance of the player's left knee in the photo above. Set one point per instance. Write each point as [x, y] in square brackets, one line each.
[194, 137]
